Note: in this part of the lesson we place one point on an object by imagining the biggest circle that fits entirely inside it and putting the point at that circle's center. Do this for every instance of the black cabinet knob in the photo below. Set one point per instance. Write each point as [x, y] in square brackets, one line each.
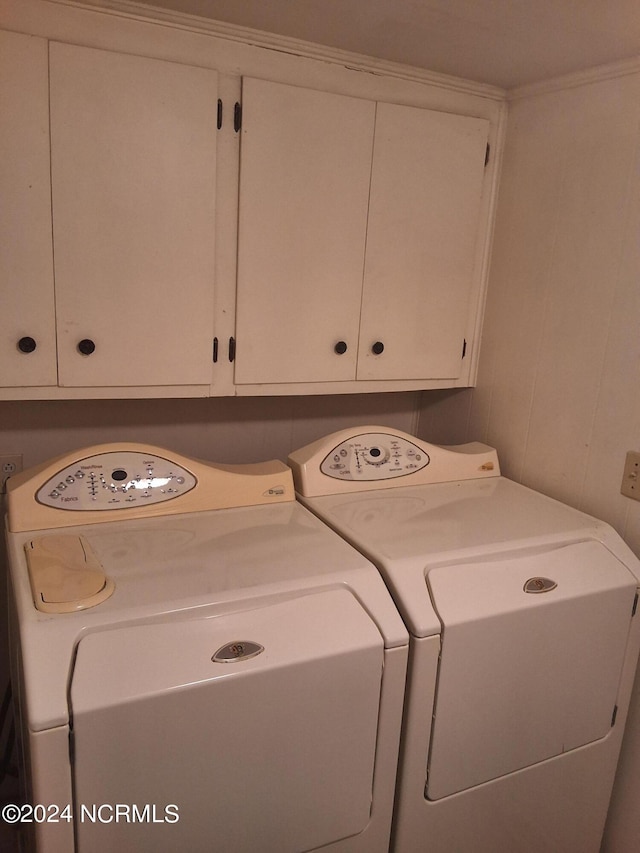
[377, 348]
[340, 348]
[26, 344]
[86, 346]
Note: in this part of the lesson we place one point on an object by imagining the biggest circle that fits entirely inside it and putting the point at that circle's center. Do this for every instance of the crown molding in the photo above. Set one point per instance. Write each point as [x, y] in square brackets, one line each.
[284, 44]
[597, 74]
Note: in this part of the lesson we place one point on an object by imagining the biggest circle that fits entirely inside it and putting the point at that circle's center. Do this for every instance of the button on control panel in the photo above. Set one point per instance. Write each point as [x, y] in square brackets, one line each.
[115, 481]
[374, 456]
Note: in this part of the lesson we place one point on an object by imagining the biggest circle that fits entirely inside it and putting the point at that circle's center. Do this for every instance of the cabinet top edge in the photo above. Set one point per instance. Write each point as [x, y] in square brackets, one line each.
[22, 15]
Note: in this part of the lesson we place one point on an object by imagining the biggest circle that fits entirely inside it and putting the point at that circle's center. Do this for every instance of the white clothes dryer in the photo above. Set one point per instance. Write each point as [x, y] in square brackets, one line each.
[524, 640]
[200, 664]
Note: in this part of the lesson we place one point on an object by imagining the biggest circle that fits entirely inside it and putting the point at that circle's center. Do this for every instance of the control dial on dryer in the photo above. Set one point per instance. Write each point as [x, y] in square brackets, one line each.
[374, 456]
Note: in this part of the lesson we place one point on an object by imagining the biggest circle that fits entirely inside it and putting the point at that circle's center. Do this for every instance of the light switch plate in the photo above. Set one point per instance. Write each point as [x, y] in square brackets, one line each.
[631, 476]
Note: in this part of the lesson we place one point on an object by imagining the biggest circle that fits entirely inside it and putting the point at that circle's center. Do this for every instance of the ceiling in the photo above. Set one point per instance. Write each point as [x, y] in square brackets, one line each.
[507, 43]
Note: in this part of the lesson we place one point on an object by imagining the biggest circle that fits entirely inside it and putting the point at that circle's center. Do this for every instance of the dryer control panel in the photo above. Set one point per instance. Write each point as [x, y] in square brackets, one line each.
[377, 457]
[374, 456]
[116, 479]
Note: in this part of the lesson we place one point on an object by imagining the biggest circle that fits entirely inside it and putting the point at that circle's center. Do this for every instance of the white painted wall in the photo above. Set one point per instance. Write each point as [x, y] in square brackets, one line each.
[225, 429]
[559, 379]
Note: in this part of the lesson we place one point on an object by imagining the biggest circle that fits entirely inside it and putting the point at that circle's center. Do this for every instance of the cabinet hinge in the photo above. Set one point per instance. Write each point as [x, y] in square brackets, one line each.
[614, 715]
[487, 154]
[232, 349]
[237, 117]
[635, 606]
[215, 350]
[464, 347]
[219, 113]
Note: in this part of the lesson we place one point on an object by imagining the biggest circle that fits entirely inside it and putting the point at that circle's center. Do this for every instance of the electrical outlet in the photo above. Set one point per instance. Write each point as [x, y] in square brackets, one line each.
[631, 476]
[10, 464]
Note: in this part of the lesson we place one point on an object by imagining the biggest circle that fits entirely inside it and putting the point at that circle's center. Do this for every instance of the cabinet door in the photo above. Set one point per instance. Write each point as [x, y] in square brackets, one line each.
[426, 187]
[133, 182]
[26, 260]
[304, 185]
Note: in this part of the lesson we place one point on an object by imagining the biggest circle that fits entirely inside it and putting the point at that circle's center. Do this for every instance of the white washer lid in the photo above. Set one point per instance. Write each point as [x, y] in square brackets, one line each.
[524, 677]
[274, 751]
[209, 562]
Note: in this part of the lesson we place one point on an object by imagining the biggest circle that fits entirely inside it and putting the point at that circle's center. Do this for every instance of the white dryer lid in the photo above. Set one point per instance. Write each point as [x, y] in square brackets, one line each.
[532, 652]
[407, 531]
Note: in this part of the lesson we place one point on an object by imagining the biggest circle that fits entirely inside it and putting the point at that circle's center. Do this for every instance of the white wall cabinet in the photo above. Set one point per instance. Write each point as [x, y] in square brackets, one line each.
[338, 243]
[358, 231]
[424, 223]
[304, 185]
[27, 316]
[131, 202]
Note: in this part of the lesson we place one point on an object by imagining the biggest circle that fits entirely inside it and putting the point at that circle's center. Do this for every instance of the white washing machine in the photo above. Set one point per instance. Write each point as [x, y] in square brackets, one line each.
[200, 663]
[524, 640]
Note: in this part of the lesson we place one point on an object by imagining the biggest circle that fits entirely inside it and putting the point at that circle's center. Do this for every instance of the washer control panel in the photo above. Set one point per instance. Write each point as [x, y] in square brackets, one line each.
[374, 456]
[116, 480]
